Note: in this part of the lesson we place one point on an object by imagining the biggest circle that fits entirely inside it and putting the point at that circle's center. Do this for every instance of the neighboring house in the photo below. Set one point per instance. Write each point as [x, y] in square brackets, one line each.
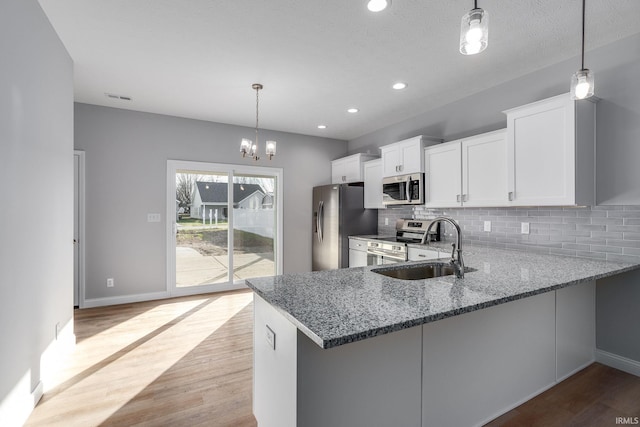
[213, 196]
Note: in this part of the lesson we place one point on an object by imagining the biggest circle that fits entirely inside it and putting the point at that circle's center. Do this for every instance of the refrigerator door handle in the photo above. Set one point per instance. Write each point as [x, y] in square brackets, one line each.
[320, 220]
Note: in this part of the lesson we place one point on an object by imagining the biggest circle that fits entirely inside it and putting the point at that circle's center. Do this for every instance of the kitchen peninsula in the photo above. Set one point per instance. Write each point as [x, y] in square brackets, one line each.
[352, 347]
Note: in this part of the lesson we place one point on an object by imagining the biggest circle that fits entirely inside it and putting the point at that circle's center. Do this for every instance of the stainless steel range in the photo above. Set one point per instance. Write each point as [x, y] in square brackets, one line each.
[394, 249]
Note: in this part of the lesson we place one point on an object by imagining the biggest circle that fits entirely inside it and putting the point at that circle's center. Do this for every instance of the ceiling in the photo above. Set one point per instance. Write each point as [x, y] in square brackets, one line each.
[199, 58]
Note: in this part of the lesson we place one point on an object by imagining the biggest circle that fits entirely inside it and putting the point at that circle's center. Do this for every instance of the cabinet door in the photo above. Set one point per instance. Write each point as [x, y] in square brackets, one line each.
[443, 175]
[391, 161]
[353, 169]
[357, 258]
[411, 157]
[484, 170]
[338, 171]
[373, 185]
[541, 144]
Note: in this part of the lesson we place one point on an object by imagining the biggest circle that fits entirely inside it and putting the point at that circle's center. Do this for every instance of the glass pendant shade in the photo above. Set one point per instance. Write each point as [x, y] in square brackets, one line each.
[474, 32]
[582, 84]
[270, 148]
[245, 146]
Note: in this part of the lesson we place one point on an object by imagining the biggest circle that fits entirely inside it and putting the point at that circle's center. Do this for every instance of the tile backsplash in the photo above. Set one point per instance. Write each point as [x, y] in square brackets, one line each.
[597, 232]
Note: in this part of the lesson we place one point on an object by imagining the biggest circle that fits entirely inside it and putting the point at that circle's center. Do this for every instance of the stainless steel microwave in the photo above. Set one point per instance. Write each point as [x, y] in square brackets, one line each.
[403, 190]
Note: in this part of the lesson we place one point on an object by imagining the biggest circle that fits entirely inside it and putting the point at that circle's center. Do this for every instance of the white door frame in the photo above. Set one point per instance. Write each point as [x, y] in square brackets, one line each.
[175, 165]
[81, 228]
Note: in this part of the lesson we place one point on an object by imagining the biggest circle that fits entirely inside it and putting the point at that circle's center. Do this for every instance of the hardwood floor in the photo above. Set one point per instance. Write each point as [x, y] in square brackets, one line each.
[187, 362]
[594, 397]
[179, 362]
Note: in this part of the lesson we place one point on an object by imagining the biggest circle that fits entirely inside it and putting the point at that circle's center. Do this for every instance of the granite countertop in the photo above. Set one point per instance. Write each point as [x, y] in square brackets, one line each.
[337, 307]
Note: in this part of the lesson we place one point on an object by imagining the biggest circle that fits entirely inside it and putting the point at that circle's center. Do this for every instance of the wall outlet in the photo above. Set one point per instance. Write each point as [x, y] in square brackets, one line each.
[487, 226]
[57, 330]
[110, 283]
[386, 221]
[524, 228]
[271, 338]
[153, 217]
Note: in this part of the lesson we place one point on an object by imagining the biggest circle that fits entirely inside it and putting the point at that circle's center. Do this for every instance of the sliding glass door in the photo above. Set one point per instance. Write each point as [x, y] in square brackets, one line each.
[224, 225]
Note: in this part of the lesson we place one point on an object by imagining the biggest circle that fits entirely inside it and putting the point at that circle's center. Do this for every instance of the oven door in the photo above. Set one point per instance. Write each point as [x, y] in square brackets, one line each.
[403, 190]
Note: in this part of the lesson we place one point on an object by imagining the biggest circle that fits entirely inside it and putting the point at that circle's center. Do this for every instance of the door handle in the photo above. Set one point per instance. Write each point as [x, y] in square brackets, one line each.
[510, 196]
[465, 197]
[408, 189]
[458, 198]
[320, 220]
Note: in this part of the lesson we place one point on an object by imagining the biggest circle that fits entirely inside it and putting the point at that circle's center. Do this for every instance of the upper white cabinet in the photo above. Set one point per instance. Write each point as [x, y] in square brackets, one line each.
[443, 173]
[551, 145]
[405, 156]
[350, 168]
[373, 184]
[467, 172]
[484, 169]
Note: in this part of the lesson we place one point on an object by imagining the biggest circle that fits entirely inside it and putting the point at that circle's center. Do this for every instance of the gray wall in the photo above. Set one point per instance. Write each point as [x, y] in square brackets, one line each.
[126, 162]
[36, 169]
[616, 67]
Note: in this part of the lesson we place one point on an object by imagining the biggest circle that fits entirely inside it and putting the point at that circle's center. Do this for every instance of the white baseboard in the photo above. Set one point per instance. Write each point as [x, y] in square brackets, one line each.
[575, 371]
[619, 362]
[124, 299]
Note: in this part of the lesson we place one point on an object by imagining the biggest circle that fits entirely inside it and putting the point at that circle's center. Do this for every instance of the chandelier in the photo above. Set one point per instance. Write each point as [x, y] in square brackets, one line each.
[250, 147]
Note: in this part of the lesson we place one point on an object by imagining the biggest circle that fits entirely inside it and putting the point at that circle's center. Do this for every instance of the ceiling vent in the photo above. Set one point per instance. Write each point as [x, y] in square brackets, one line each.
[114, 96]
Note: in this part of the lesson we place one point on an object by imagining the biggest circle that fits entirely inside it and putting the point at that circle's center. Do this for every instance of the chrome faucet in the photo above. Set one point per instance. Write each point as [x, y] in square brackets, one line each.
[456, 247]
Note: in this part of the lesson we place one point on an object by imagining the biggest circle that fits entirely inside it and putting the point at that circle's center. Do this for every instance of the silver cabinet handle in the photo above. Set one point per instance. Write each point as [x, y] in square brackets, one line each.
[457, 198]
[465, 197]
[510, 195]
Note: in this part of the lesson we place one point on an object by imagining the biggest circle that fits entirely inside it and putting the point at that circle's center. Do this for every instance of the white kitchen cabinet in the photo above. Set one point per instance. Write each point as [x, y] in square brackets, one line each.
[551, 149]
[443, 175]
[350, 168]
[357, 253]
[485, 169]
[422, 254]
[467, 172]
[405, 156]
[373, 184]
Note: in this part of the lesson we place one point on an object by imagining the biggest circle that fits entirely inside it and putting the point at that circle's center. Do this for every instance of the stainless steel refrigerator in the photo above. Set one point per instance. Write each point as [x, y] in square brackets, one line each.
[338, 212]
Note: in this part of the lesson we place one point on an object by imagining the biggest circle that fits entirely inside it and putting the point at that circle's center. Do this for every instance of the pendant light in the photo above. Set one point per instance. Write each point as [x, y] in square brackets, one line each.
[474, 31]
[582, 83]
[249, 147]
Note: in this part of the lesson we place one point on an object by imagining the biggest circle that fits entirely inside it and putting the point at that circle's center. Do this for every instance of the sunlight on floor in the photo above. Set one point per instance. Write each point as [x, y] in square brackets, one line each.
[105, 375]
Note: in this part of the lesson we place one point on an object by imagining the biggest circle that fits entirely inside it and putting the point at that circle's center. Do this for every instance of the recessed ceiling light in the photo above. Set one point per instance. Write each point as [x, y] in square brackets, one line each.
[352, 110]
[378, 5]
[322, 126]
[399, 86]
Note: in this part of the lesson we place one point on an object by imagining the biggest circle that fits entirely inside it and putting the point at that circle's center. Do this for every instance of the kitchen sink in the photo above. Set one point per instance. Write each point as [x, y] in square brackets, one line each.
[421, 271]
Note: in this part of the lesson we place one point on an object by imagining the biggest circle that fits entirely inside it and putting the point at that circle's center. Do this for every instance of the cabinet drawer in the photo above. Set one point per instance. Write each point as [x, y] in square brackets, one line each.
[357, 244]
[419, 254]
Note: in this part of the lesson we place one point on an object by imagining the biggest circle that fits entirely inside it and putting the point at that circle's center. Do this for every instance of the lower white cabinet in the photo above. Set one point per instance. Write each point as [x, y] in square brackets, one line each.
[357, 253]
[373, 184]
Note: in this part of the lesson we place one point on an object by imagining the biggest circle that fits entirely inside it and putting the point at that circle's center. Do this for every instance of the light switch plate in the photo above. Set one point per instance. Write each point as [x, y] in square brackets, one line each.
[271, 338]
[524, 228]
[487, 226]
[153, 217]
